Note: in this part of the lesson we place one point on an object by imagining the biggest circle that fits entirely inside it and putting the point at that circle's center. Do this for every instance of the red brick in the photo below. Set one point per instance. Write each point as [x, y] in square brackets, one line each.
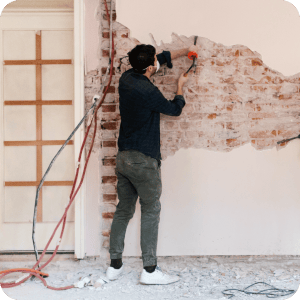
[227, 80]
[198, 70]
[103, 71]
[266, 80]
[277, 80]
[231, 98]
[230, 126]
[221, 125]
[231, 142]
[106, 233]
[261, 144]
[262, 134]
[230, 88]
[212, 116]
[110, 144]
[114, 16]
[111, 90]
[109, 162]
[259, 116]
[105, 243]
[108, 215]
[110, 117]
[184, 125]
[285, 97]
[231, 52]
[106, 35]
[109, 108]
[109, 197]
[109, 126]
[93, 73]
[246, 52]
[105, 53]
[109, 179]
[284, 144]
[257, 62]
[170, 125]
[288, 133]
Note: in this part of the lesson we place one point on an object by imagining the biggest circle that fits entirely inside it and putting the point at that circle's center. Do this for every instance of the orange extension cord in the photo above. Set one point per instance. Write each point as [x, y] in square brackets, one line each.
[36, 272]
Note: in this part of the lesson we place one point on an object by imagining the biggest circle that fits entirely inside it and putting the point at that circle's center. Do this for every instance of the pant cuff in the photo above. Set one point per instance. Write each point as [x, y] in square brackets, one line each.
[116, 256]
[149, 263]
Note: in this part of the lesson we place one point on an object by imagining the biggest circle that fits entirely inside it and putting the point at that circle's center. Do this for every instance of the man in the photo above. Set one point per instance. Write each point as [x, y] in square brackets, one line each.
[138, 160]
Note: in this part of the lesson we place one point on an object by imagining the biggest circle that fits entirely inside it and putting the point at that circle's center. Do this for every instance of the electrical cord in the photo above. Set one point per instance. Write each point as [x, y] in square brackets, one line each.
[47, 171]
[273, 291]
[287, 140]
[36, 273]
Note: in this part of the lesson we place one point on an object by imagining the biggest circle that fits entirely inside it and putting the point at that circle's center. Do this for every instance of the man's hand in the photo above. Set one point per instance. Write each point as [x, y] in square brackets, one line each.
[181, 82]
[182, 79]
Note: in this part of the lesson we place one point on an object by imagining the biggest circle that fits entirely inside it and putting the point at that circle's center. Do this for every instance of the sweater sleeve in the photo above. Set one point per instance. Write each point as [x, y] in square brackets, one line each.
[165, 57]
[155, 101]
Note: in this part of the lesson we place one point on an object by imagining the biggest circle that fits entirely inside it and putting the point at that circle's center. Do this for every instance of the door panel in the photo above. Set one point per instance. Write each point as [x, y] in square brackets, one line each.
[55, 199]
[20, 123]
[58, 82]
[57, 121]
[19, 201]
[14, 41]
[63, 169]
[57, 45]
[38, 90]
[20, 163]
[19, 82]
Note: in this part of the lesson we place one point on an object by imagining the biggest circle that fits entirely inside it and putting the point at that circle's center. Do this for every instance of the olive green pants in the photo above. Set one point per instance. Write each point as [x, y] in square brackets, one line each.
[138, 175]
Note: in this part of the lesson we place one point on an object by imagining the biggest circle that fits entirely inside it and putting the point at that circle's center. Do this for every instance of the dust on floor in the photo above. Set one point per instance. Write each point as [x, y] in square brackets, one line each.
[202, 277]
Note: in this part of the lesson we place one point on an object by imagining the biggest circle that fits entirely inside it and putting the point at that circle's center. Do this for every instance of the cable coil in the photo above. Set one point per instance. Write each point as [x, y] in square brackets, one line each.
[273, 292]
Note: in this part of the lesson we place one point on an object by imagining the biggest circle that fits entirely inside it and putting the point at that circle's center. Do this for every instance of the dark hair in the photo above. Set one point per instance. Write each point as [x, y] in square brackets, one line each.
[141, 57]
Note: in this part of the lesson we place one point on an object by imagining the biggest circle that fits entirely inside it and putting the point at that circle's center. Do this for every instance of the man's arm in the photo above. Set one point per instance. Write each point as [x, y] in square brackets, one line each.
[177, 53]
[183, 52]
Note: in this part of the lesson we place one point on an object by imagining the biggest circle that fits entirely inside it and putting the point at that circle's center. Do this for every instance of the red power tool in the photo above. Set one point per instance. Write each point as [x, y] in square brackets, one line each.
[192, 56]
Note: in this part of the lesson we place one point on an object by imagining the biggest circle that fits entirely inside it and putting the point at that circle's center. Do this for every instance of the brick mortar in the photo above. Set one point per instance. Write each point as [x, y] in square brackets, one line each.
[232, 99]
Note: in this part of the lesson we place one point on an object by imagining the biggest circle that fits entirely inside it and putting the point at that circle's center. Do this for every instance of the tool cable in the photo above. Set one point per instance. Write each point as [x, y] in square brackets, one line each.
[272, 292]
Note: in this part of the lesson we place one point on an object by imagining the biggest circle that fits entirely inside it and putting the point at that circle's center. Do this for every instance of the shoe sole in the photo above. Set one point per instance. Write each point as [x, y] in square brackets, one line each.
[159, 283]
[115, 278]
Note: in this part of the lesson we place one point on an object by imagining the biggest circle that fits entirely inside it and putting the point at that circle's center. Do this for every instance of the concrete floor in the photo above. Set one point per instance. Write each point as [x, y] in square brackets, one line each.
[202, 277]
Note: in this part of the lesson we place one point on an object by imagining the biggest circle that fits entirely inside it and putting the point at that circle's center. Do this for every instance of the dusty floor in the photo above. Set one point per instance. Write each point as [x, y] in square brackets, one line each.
[202, 277]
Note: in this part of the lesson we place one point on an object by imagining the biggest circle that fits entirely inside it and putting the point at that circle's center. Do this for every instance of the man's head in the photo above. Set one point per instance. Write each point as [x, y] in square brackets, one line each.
[143, 59]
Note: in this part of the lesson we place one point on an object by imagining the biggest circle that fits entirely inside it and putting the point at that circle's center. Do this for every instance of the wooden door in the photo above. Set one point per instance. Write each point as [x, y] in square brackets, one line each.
[38, 116]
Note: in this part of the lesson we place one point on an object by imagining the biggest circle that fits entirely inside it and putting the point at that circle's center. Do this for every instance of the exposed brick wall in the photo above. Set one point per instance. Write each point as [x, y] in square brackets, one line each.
[232, 99]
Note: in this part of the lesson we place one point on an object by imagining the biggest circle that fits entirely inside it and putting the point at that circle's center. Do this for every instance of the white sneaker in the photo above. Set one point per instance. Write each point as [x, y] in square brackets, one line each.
[113, 274]
[157, 277]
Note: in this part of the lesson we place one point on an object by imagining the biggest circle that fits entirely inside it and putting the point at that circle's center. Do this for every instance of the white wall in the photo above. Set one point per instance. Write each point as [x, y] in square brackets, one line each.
[245, 202]
[93, 224]
[91, 35]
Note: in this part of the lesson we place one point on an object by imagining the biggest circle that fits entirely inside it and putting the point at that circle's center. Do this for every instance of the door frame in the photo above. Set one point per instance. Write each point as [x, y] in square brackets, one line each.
[17, 19]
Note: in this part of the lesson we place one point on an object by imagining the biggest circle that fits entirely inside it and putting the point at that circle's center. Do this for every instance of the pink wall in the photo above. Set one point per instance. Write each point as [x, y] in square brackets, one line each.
[91, 35]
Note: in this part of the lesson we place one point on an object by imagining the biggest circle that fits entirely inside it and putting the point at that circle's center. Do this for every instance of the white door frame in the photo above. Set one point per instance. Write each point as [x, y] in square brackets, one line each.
[79, 112]
[75, 21]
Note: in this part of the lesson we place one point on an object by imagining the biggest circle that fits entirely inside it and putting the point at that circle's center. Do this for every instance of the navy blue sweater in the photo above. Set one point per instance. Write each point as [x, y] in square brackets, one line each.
[141, 103]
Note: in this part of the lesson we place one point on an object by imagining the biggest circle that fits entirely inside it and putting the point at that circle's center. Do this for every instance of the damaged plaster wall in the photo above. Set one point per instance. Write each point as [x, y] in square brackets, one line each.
[226, 189]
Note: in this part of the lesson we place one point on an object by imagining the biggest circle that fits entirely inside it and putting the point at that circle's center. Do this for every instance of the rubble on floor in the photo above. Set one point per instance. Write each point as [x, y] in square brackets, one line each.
[202, 277]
